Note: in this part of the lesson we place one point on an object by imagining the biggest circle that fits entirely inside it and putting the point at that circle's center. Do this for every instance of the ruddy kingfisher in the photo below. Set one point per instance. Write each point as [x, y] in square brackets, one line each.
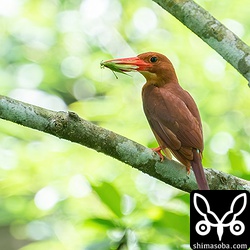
[170, 110]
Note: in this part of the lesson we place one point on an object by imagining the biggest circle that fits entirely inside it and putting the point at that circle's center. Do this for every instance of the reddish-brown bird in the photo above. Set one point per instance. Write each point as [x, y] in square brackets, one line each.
[171, 111]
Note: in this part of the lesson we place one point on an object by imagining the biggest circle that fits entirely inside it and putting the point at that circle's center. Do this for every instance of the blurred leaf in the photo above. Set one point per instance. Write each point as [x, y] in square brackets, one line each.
[175, 224]
[237, 161]
[110, 197]
[39, 245]
[102, 222]
[104, 245]
[184, 197]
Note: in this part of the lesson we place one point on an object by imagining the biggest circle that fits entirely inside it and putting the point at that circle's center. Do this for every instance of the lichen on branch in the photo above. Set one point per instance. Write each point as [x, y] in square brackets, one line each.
[211, 31]
[70, 126]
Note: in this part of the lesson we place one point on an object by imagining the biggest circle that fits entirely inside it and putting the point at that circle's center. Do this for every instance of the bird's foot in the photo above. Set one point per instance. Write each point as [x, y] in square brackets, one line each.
[158, 151]
[188, 170]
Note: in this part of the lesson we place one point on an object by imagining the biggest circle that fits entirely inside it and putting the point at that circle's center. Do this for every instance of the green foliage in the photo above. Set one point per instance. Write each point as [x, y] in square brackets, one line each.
[110, 197]
[59, 195]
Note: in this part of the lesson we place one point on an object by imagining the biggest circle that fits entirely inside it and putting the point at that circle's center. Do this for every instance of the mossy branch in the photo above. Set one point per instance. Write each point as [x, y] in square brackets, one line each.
[211, 31]
[69, 126]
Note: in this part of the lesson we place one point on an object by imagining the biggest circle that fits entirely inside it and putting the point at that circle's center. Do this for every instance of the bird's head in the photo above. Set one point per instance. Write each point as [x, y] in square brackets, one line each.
[155, 67]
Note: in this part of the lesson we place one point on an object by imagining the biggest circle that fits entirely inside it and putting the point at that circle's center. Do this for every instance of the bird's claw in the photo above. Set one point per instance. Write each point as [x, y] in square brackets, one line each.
[158, 151]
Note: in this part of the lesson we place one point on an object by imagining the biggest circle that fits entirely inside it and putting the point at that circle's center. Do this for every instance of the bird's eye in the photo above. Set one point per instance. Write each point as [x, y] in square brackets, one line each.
[153, 59]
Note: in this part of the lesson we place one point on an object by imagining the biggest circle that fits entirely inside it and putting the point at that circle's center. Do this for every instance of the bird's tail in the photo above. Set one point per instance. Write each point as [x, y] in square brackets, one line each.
[199, 171]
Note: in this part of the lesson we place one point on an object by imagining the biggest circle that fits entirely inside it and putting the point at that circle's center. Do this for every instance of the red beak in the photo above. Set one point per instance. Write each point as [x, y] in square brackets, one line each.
[126, 64]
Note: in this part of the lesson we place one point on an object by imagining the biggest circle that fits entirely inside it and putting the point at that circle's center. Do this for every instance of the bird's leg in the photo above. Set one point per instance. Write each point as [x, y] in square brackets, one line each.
[158, 151]
[188, 170]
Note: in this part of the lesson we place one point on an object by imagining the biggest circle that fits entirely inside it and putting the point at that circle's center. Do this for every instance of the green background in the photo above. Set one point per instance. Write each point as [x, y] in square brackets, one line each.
[61, 196]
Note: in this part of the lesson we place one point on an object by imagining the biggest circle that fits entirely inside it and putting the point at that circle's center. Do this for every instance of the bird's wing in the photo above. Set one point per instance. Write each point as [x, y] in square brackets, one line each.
[172, 120]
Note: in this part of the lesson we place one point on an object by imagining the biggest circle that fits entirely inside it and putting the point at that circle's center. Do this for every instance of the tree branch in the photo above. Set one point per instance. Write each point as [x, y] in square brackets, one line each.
[211, 31]
[70, 126]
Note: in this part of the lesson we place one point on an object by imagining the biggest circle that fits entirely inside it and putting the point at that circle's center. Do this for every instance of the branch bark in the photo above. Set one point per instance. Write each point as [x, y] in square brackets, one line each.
[69, 126]
[211, 31]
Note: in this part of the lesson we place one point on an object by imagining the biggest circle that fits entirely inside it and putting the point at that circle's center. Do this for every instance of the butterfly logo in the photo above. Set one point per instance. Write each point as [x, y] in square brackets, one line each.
[210, 219]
